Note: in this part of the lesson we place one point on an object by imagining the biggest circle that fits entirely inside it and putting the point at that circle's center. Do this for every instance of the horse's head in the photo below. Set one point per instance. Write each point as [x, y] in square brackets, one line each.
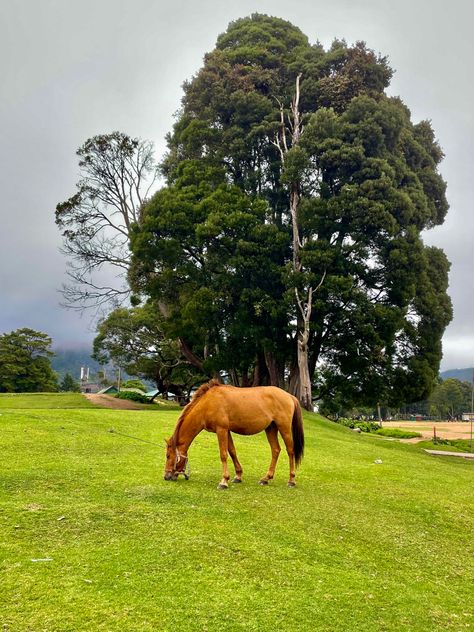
[175, 462]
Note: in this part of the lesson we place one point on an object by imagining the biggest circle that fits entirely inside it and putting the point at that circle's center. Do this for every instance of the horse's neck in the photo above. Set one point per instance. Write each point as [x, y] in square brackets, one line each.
[187, 432]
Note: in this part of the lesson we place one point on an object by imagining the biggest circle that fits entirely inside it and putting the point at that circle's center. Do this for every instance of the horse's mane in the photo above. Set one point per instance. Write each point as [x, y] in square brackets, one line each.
[202, 390]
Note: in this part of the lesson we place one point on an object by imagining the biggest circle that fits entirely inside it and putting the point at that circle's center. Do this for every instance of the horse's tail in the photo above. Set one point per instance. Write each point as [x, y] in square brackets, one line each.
[297, 432]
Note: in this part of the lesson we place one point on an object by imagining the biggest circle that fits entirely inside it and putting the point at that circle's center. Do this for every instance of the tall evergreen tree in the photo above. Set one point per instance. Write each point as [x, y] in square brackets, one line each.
[69, 384]
[288, 237]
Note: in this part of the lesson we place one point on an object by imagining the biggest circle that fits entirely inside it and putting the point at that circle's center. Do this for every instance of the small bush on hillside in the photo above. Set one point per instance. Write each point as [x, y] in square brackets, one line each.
[134, 397]
[397, 433]
[365, 426]
[456, 445]
[441, 441]
[134, 384]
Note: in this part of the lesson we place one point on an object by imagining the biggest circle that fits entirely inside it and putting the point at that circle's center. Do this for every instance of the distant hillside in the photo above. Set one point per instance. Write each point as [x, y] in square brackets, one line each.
[464, 375]
[71, 360]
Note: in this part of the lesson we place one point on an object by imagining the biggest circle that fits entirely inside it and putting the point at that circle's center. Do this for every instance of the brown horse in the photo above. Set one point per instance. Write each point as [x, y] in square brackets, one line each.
[224, 409]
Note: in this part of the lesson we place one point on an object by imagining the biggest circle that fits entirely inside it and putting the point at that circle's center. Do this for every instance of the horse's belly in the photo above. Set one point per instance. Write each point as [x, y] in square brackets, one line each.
[245, 430]
[249, 426]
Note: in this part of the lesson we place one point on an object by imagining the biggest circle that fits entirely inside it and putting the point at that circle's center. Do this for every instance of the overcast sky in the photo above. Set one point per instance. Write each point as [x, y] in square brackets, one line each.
[71, 69]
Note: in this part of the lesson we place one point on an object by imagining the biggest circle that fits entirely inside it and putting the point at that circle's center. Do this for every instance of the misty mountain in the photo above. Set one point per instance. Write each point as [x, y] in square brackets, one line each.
[463, 375]
[71, 360]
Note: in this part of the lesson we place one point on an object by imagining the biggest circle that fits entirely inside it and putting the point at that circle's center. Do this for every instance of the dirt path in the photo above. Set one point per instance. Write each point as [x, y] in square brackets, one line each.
[113, 402]
[444, 429]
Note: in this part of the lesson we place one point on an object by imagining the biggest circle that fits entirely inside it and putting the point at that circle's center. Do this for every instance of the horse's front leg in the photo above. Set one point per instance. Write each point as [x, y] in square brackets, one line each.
[223, 439]
[235, 460]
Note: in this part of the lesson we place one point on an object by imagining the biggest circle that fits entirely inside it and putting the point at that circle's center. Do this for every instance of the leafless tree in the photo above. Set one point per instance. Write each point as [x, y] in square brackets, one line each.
[117, 176]
[287, 138]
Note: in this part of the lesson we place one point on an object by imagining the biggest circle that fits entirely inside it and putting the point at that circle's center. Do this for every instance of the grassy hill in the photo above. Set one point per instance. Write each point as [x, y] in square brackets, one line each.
[92, 537]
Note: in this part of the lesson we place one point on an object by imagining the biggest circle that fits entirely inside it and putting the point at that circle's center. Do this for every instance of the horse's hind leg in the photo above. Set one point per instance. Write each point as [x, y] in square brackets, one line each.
[288, 439]
[272, 436]
[235, 460]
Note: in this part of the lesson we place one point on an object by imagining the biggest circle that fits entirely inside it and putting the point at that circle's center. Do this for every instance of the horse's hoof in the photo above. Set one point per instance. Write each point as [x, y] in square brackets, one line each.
[221, 486]
[291, 484]
[263, 482]
[236, 480]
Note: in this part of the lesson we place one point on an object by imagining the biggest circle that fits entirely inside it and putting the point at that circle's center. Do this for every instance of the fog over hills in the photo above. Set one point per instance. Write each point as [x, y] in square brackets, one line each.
[71, 360]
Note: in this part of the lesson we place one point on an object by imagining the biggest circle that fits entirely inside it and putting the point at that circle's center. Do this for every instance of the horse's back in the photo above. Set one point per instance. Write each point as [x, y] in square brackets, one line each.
[247, 410]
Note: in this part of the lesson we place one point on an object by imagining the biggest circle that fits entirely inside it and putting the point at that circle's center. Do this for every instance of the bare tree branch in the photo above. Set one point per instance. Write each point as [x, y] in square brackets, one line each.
[117, 175]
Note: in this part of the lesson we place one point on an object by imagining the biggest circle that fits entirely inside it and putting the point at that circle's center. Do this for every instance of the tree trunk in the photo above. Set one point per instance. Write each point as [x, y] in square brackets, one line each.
[234, 377]
[272, 367]
[260, 373]
[303, 390]
[304, 387]
[294, 379]
[245, 377]
[191, 357]
[160, 385]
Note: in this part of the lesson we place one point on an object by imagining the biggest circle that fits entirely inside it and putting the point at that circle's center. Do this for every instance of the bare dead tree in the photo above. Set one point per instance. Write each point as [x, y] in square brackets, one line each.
[288, 137]
[117, 176]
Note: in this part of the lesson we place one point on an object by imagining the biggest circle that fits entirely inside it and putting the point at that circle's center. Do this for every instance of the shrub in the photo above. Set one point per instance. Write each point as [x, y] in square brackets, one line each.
[450, 445]
[365, 426]
[134, 384]
[134, 397]
[397, 433]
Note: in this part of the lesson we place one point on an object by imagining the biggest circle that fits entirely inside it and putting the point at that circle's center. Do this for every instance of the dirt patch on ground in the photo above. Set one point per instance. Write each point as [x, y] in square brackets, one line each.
[107, 401]
[444, 429]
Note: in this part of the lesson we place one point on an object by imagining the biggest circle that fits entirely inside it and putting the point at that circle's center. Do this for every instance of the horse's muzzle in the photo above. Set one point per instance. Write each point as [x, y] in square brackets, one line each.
[171, 476]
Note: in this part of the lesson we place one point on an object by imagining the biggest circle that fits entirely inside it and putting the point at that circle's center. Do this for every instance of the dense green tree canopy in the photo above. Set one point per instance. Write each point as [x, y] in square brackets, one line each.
[134, 340]
[216, 245]
[25, 362]
[451, 398]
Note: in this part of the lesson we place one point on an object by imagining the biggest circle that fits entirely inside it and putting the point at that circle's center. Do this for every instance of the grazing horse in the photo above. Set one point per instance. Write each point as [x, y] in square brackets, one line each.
[224, 409]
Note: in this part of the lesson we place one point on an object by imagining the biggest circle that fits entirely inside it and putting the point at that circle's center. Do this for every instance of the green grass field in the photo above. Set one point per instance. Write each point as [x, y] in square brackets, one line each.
[356, 546]
[46, 401]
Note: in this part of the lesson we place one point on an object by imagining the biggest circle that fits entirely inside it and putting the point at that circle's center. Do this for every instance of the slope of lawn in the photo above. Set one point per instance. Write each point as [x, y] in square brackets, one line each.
[13, 401]
[356, 546]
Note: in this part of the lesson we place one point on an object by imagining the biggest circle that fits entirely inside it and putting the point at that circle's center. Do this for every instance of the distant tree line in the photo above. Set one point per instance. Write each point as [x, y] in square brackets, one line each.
[25, 364]
[449, 400]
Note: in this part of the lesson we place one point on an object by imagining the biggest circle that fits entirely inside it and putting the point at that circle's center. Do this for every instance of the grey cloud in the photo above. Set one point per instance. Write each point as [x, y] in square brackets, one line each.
[74, 69]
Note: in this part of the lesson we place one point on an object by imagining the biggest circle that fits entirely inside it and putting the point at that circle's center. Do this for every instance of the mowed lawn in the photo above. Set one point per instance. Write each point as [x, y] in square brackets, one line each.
[355, 546]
